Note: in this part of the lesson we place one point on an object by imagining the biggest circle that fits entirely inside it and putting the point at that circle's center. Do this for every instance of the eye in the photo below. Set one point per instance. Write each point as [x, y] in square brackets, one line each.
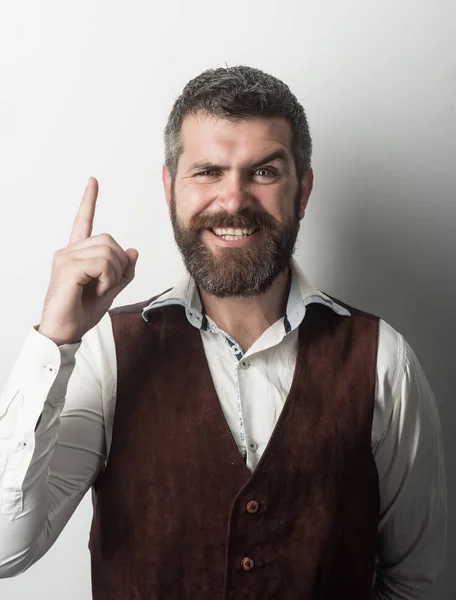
[264, 172]
[207, 173]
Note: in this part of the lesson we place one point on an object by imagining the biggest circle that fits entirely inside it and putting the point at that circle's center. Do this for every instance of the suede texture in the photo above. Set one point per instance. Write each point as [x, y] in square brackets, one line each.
[170, 510]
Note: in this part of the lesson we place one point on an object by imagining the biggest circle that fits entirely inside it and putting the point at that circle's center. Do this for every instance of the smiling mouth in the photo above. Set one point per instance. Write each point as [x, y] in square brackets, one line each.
[231, 234]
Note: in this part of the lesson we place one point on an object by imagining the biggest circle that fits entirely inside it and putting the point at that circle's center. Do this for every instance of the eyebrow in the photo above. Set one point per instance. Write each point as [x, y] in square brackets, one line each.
[206, 165]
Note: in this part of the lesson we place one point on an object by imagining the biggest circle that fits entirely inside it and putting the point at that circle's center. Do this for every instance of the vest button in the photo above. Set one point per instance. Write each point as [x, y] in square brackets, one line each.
[253, 507]
[247, 563]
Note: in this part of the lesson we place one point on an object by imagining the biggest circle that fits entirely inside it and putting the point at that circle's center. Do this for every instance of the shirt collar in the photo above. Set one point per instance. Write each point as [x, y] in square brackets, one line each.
[302, 293]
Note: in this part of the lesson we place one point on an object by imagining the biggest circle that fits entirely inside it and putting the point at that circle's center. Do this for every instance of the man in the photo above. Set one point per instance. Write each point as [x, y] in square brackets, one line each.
[245, 435]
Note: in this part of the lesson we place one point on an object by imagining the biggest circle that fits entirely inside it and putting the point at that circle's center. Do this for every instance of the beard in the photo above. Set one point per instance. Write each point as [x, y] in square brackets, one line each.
[243, 271]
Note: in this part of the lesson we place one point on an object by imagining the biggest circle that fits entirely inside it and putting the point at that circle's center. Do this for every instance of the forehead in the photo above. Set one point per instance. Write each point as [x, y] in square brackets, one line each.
[204, 134]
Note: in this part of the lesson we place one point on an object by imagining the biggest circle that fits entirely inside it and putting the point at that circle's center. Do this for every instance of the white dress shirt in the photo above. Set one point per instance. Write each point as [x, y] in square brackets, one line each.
[46, 470]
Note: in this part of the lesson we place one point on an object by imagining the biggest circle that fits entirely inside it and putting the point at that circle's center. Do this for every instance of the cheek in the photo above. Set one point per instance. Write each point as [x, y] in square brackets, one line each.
[280, 203]
[193, 200]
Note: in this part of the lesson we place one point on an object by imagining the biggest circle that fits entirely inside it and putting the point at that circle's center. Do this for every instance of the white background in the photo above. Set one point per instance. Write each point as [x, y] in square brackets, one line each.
[85, 88]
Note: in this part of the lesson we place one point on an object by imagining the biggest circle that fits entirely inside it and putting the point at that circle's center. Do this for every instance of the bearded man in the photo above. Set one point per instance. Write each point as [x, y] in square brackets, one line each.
[245, 435]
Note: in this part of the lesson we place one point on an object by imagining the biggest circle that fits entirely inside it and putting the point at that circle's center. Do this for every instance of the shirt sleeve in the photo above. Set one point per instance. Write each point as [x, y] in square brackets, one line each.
[408, 450]
[52, 441]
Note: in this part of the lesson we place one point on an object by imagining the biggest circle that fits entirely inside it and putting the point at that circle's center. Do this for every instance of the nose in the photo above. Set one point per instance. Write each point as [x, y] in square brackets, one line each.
[233, 194]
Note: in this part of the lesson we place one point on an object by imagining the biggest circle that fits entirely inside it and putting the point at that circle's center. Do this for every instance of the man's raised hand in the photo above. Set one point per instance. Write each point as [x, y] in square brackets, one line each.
[86, 276]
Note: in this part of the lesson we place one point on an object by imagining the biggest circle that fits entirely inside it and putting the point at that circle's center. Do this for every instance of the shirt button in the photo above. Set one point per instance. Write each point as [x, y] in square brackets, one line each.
[253, 507]
[247, 563]
[253, 446]
[244, 364]
[50, 368]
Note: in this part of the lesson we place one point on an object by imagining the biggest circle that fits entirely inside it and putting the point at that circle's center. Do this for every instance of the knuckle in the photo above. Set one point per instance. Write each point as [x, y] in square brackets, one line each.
[115, 257]
[107, 238]
[57, 254]
[106, 264]
[105, 252]
[111, 271]
[58, 258]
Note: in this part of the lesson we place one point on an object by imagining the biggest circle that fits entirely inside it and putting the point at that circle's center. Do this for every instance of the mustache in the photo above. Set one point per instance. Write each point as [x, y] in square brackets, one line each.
[242, 220]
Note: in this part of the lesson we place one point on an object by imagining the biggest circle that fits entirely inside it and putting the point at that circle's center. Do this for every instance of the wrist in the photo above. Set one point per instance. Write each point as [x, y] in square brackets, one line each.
[59, 340]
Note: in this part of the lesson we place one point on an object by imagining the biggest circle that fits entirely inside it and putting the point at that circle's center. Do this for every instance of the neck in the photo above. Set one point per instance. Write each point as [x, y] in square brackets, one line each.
[246, 318]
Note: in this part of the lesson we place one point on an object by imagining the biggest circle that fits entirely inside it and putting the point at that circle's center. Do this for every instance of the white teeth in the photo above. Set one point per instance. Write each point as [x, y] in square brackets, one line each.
[232, 233]
[232, 238]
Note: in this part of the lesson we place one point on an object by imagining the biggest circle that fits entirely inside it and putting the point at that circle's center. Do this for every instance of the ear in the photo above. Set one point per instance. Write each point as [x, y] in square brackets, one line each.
[166, 179]
[306, 189]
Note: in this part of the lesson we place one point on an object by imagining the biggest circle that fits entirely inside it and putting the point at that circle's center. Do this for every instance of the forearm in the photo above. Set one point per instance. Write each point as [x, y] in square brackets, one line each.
[46, 471]
[412, 528]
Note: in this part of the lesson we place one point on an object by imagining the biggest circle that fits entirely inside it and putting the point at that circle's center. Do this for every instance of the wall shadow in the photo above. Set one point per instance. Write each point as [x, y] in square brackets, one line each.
[395, 258]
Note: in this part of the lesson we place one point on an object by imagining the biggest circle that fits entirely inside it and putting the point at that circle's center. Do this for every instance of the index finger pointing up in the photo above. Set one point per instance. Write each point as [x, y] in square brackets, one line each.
[83, 223]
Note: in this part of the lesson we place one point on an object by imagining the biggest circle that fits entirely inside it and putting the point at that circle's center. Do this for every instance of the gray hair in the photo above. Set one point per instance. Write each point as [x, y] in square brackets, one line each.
[236, 93]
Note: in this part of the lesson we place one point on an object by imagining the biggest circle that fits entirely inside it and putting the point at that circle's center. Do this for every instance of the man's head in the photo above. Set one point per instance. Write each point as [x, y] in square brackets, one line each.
[237, 178]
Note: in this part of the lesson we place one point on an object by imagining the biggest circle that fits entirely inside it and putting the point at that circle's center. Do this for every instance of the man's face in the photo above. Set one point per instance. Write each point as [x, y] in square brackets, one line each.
[236, 202]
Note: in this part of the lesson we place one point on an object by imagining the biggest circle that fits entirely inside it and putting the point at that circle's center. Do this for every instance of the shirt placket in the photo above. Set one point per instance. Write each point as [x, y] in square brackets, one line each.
[237, 354]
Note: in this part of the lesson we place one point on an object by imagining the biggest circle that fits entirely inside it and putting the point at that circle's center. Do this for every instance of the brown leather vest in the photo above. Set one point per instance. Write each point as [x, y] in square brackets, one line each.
[177, 514]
